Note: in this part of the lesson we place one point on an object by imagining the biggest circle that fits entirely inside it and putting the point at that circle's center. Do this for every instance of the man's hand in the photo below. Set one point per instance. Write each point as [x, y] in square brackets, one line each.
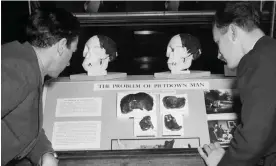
[214, 153]
[48, 159]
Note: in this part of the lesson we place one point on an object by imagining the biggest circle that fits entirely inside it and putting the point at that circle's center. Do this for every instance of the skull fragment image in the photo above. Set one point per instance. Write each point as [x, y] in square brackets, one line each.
[99, 50]
[171, 123]
[141, 101]
[181, 51]
[146, 123]
[173, 102]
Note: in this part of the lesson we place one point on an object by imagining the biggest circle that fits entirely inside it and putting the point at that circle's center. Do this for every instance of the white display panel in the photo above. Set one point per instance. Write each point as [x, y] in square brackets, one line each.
[195, 123]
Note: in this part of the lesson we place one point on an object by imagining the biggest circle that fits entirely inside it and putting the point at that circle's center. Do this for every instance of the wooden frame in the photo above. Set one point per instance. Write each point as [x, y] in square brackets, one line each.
[132, 157]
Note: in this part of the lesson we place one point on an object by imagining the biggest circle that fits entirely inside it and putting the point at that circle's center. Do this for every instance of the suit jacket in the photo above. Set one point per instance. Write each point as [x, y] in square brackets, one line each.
[21, 105]
[255, 137]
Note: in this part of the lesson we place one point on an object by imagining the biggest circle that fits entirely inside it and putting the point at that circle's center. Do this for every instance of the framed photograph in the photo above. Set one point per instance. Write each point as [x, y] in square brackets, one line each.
[174, 103]
[135, 104]
[155, 143]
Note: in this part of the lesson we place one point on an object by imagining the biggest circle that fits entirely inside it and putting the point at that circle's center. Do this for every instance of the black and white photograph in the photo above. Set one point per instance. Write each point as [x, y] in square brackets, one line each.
[173, 124]
[174, 103]
[221, 101]
[145, 126]
[221, 131]
[77, 74]
[135, 104]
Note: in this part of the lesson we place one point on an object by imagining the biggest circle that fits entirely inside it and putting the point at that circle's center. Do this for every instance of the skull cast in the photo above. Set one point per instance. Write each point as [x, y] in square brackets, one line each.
[99, 50]
[181, 51]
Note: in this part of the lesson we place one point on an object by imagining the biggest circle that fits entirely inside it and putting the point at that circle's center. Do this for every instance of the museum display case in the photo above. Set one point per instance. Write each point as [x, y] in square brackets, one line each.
[140, 118]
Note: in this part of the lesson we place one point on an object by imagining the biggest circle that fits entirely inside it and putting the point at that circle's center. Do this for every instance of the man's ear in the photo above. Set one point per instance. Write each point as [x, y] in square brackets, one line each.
[61, 45]
[233, 33]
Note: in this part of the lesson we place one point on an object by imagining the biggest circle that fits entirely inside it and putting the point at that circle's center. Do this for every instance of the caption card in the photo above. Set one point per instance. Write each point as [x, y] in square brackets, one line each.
[76, 107]
[76, 135]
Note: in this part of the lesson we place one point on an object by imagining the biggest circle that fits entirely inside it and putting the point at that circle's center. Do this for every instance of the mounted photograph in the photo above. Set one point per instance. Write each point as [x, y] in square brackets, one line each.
[145, 126]
[135, 104]
[174, 103]
[222, 101]
[221, 131]
[172, 124]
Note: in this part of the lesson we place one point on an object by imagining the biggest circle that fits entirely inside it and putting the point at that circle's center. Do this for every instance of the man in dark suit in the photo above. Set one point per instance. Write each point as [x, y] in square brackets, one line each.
[52, 39]
[243, 45]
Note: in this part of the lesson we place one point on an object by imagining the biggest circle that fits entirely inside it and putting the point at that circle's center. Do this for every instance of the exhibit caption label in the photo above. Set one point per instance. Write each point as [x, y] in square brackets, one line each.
[151, 86]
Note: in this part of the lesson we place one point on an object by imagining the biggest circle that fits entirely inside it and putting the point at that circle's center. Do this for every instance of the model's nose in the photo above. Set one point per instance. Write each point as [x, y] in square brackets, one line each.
[171, 59]
[86, 54]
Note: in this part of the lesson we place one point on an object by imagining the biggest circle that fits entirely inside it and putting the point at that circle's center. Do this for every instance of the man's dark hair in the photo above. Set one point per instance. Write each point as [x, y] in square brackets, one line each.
[45, 27]
[246, 15]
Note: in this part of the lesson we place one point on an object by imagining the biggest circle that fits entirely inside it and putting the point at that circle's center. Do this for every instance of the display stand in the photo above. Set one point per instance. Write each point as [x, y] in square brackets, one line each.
[230, 72]
[109, 76]
[192, 74]
[76, 109]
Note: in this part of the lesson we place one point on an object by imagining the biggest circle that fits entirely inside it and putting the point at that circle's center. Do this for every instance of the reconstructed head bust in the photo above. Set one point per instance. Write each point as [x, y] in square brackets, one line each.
[99, 50]
[181, 51]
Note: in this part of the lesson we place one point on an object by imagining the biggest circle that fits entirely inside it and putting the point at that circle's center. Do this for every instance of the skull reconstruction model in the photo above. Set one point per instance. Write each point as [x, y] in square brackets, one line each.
[181, 51]
[99, 50]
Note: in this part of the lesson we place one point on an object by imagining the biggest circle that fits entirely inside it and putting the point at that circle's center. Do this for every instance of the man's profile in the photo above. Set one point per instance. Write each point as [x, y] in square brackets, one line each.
[243, 45]
[52, 39]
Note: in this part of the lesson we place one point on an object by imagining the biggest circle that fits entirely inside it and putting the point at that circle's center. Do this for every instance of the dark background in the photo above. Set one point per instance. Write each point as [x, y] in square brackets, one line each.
[138, 54]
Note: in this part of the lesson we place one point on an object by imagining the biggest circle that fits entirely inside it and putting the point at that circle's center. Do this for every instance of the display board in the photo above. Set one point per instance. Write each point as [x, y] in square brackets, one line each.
[137, 112]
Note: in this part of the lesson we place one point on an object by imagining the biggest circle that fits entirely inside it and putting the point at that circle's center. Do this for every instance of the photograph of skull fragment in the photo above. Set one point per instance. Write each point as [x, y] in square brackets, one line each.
[145, 111]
